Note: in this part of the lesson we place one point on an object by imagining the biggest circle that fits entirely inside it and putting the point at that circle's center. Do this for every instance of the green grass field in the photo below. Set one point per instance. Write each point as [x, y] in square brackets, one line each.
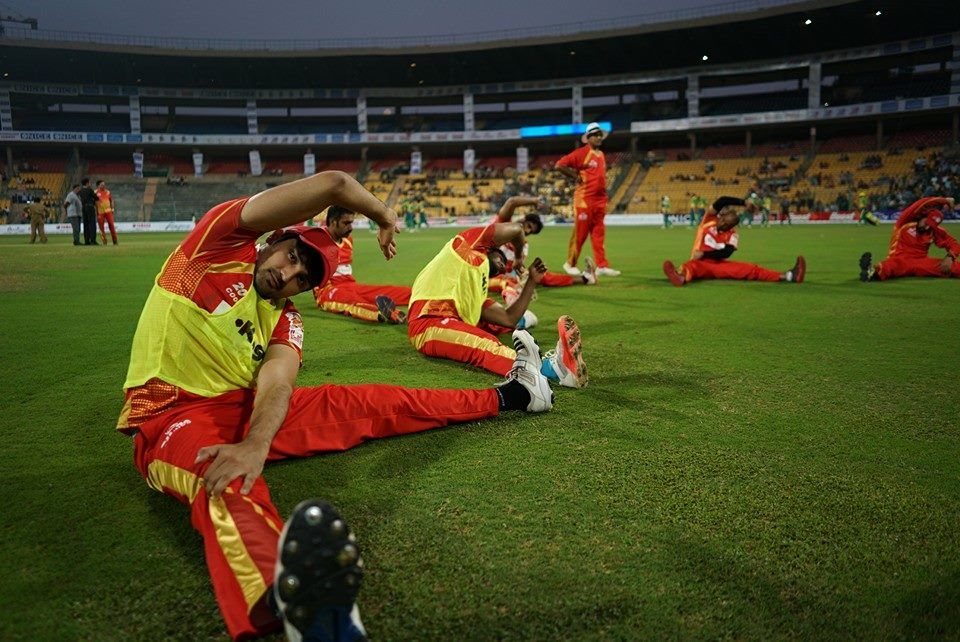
[750, 461]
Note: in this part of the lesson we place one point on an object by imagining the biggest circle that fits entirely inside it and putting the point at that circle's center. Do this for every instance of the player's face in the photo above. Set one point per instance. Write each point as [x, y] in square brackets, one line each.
[497, 264]
[342, 227]
[281, 271]
[595, 139]
[530, 228]
[727, 218]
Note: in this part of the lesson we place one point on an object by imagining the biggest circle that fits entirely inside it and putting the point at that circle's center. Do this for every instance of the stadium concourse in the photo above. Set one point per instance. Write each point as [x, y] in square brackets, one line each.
[749, 460]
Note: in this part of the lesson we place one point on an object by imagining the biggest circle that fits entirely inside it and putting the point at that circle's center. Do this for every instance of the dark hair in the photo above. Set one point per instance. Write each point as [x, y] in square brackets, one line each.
[496, 250]
[536, 220]
[75, 186]
[336, 212]
[100, 182]
[85, 181]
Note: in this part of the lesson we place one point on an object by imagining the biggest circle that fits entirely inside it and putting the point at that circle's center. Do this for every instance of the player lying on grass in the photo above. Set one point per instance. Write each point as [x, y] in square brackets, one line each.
[916, 229]
[508, 284]
[716, 240]
[342, 294]
[211, 396]
[451, 316]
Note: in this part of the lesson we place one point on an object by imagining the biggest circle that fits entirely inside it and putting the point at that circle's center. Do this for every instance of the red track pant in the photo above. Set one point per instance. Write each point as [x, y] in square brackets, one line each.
[108, 217]
[589, 221]
[241, 532]
[454, 339]
[893, 267]
[709, 269]
[358, 300]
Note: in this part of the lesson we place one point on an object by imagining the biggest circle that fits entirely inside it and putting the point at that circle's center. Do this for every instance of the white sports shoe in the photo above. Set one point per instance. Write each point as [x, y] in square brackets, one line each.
[526, 372]
[571, 270]
[590, 274]
[608, 271]
[318, 575]
[527, 321]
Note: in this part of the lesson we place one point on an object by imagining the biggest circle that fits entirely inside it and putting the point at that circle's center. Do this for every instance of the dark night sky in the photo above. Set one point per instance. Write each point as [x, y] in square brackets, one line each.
[288, 19]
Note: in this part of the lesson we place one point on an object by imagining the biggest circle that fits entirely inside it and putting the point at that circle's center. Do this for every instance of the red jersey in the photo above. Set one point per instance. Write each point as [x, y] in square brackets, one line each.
[213, 267]
[591, 165]
[344, 273]
[909, 242]
[472, 245]
[104, 200]
[710, 238]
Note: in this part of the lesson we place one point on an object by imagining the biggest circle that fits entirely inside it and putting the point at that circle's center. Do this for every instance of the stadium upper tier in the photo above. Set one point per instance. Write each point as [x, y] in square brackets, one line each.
[741, 34]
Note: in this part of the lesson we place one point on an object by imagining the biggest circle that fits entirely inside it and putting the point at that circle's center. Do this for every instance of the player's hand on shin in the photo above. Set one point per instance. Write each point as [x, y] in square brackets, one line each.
[537, 270]
[231, 461]
[946, 264]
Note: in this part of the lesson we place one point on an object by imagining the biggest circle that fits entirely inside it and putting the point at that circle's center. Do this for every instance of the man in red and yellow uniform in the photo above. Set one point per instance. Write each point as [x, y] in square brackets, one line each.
[588, 167]
[917, 228]
[508, 283]
[210, 397]
[716, 240]
[451, 316]
[105, 212]
[343, 295]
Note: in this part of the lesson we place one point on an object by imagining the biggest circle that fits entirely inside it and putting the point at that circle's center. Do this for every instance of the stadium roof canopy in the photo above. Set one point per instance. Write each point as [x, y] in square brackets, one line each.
[747, 31]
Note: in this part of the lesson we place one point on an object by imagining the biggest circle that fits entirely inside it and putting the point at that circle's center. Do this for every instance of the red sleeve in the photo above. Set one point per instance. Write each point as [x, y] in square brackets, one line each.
[574, 160]
[219, 231]
[943, 239]
[289, 330]
[916, 211]
[472, 245]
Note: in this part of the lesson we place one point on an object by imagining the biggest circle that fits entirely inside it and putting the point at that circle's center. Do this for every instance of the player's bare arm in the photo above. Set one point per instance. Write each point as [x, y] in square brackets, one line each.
[511, 316]
[569, 172]
[297, 201]
[512, 203]
[511, 233]
[275, 383]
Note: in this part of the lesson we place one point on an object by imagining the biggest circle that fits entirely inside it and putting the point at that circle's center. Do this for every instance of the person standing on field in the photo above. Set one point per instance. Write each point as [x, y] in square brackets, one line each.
[37, 215]
[587, 166]
[72, 209]
[105, 212]
[89, 199]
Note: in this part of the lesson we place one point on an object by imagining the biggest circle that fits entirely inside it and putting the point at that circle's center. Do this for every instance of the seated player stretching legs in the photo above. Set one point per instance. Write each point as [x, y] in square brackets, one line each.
[917, 228]
[451, 316]
[343, 295]
[211, 397]
[716, 240]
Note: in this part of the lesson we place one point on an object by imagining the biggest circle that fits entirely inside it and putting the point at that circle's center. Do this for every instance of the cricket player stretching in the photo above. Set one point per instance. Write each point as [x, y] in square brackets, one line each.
[588, 167]
[451, 316]
[343, 295]
[211, 397]
[716, 240]
[917, 228]
[507, 283]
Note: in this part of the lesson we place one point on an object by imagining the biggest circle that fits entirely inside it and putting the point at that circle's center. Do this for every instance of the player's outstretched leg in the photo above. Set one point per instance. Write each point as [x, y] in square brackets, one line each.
[671, 271]
[867, 271]
[318, 575]
[388, 310]
[565, 364]
[526, 388]
[797, 273]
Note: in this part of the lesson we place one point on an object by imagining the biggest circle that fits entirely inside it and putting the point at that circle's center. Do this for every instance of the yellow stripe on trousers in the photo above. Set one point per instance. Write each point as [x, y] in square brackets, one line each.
[457, 337]
[352, 310]
[164, 476]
